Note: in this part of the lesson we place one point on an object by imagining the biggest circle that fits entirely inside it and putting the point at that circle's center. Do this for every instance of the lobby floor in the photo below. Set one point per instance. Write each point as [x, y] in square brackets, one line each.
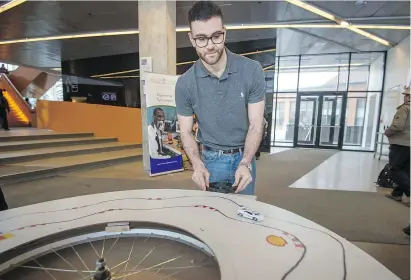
[326, 187]
[344, 171]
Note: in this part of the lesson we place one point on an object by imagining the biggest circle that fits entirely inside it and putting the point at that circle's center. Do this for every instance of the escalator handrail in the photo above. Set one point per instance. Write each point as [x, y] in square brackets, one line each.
[2, 75]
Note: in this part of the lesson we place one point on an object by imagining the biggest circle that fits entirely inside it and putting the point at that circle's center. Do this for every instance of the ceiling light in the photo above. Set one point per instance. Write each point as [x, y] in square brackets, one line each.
[71, 36]
[186, 29]
[120, 77]
[370, 36]
[338, 20]
[10, 5]
[115, 73]
[377, 26]
[313, 9]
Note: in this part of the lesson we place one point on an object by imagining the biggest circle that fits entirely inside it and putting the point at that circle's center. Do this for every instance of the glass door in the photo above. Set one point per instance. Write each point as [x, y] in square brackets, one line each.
[320, 120]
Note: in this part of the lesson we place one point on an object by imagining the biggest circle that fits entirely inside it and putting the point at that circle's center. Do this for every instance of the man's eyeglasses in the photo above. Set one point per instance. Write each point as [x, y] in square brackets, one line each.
[202, 41]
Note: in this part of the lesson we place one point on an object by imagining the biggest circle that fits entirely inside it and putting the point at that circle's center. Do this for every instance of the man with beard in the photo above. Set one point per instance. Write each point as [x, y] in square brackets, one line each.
[226, 92]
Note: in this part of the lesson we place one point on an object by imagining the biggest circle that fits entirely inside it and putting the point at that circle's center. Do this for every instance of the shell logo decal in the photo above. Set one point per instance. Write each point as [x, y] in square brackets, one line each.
[276, 240]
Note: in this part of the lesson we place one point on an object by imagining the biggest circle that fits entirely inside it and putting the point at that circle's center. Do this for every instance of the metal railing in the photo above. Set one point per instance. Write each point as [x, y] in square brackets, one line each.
[380, 141]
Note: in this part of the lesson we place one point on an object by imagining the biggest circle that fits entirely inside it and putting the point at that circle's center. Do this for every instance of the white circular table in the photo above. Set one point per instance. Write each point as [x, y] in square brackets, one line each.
[282, 246]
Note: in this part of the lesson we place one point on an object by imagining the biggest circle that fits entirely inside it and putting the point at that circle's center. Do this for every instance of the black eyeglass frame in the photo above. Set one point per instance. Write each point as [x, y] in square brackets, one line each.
[210, 38]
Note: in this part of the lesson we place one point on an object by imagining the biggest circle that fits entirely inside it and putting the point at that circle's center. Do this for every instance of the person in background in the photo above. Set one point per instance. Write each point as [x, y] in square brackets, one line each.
[4, 109]
[398, 134]
[3, 70]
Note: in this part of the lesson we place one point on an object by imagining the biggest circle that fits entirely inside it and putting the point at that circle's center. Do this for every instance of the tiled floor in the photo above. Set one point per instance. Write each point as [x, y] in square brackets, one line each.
[275, 150]
[348, 171]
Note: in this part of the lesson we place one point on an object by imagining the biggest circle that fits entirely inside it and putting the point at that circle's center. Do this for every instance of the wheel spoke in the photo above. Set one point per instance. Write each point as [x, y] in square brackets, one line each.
[154, 266]
[133, 259]
[102, 250]
[82, 261]
[94, 248]
[129, 257]
[131, 250]
[48, 272]
[112, 246]
[55, 269]
[69, 263]
[168, 276]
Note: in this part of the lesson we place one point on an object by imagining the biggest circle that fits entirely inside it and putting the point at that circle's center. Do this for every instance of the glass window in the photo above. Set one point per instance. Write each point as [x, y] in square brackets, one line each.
[343, 79]
[360, 112]
[359, 77]
[376, 73]
[282, 130]
[361, 121]
[280, 113]
[323, 72]
[55, 93]
[9, 67]
[288, 74]
[366, 72]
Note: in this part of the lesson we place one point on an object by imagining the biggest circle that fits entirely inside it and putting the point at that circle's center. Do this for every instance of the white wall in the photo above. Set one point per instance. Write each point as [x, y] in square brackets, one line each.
[376, 74]
[397, 75]
[397, 72]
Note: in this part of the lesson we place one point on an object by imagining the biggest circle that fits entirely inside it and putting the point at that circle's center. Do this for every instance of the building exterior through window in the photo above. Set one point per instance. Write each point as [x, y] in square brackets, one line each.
[327, 101]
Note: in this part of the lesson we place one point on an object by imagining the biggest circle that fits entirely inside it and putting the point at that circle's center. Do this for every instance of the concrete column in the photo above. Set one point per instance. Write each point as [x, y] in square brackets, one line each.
[157, 39]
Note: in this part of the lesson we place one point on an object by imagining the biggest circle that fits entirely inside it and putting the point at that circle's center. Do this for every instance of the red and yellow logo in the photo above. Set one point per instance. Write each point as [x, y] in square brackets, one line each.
[276, 240]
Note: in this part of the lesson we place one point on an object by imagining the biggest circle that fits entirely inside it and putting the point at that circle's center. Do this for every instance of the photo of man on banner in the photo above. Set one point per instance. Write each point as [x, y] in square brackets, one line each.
[163, 136]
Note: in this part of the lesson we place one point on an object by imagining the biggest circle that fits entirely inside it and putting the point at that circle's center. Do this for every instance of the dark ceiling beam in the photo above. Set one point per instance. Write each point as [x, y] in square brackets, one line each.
[325, 39]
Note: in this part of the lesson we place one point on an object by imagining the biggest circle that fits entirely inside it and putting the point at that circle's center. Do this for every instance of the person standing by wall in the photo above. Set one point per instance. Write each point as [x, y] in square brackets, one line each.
[398, 134]
[3, 70]
[226, 92]
[4, 109]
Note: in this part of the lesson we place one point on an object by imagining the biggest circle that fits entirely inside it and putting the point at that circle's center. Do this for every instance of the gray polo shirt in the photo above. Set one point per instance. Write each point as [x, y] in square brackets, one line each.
[220, 104]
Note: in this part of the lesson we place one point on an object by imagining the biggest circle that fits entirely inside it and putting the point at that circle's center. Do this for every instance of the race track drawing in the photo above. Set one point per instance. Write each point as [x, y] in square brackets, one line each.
[284, 245]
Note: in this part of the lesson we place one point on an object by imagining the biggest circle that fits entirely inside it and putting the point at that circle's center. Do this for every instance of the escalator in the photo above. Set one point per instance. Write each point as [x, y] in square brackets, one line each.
[21, 114]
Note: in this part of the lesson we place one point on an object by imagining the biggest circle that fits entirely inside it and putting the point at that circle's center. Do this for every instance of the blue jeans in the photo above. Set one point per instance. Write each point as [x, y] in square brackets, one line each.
[222, 167]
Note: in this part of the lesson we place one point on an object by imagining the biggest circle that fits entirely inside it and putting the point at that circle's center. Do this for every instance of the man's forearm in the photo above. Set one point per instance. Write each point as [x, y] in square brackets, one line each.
[252, 142]
[191, 148]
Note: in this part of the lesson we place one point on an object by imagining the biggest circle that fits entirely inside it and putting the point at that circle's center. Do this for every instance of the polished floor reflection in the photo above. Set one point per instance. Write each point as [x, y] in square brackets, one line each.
[347, 171]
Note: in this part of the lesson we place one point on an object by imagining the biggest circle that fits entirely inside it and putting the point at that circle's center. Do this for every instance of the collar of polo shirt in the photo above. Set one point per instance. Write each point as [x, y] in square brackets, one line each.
[232, 66]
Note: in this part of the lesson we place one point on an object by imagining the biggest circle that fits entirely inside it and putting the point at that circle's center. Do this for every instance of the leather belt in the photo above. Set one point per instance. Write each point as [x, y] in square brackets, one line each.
[231, 151]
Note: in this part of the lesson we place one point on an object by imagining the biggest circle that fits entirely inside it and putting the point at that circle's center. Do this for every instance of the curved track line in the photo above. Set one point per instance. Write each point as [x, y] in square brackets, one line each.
[117, 199]
[326, 233]
[172, 198]
[171, 207]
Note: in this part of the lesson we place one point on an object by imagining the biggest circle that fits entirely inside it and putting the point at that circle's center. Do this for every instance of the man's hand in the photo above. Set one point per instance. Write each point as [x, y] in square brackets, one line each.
[242, 178]
[201, 176]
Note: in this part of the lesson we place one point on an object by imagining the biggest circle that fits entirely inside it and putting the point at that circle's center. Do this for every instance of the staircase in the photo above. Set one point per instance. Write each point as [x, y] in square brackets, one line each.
[16, 117]
[30, 154]
[21, 114]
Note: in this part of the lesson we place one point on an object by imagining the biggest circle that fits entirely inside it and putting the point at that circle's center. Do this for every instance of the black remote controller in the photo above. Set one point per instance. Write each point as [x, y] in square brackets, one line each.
[221, 187]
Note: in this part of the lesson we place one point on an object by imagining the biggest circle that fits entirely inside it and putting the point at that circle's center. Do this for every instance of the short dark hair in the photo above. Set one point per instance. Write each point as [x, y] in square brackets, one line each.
[156, 110]
[203, 11]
